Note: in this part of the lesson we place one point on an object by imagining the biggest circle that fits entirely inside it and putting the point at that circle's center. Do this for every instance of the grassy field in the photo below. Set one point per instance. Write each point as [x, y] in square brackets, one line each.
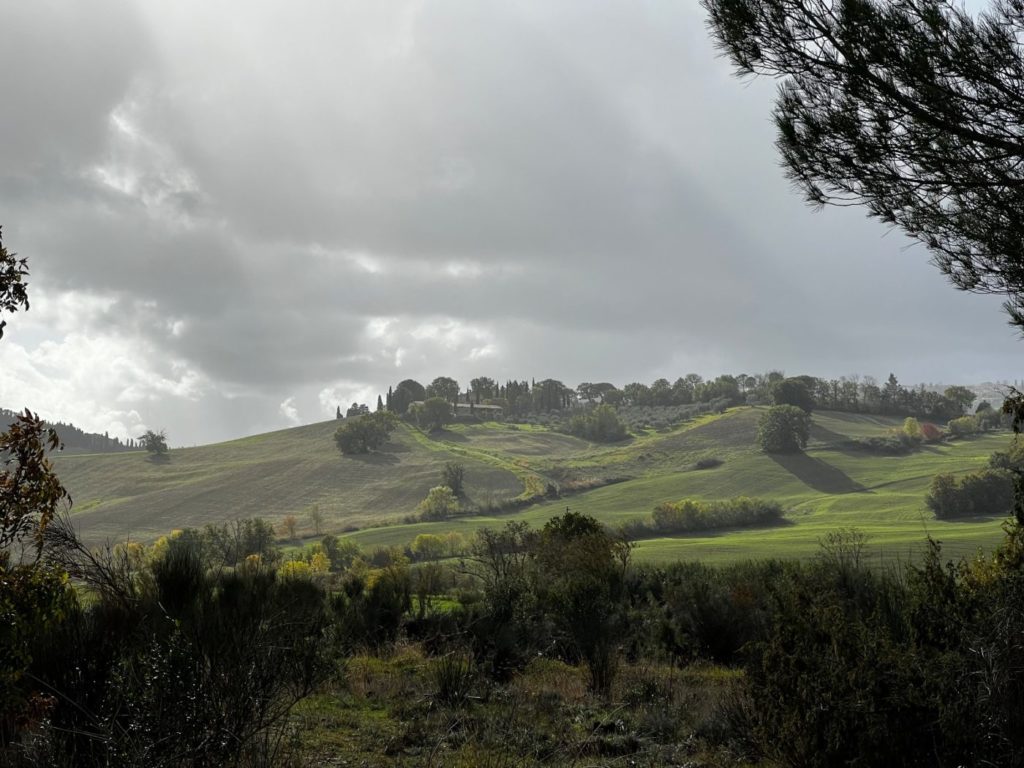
[271, 475]
[284, 472]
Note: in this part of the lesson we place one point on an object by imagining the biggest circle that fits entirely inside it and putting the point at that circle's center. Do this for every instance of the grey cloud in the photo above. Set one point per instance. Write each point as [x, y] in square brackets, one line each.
[567, 190]
[65, 66]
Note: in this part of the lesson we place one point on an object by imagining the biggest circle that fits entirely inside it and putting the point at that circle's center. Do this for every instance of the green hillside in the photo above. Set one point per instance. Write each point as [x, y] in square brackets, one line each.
[270, 475]
[285, 472]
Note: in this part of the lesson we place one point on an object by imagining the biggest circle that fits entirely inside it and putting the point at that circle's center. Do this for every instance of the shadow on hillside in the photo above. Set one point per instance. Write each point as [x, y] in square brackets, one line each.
[974, 519]
[816, 473]
[395, 447]
[376, 458]
[833, 440]
[158, 458]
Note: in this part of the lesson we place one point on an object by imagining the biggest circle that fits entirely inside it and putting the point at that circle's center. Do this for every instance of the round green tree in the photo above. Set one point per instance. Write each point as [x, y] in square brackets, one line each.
[784, 429]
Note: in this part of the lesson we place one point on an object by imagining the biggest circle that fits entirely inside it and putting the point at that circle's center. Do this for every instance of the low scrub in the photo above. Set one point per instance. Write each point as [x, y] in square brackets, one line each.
[601, 425]
[690, 515]
[636, 418]
[965, 426]
[168, 663]
[453, 676]
[1011, 459]
[440, 504]
[987, 492]
[708, 462]
[883, 445]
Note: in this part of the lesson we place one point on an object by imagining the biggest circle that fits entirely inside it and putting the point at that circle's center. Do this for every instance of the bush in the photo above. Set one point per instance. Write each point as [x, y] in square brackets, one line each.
[453, 677]
[429, 546]
[965, 426]
[889, 445]
[690, 515]
[708, 462]
[1012, 459]
[988, 492]
[912, 430]
[440, 504]
[196, 669]
[783, 429]
[831, 682]
[601, 425]
[433, 413]
[705, 612]
[453, 475]
[365, 433]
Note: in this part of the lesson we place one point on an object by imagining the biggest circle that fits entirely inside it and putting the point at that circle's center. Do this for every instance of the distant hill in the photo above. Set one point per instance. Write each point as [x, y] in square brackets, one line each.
[286, 472]
[75, 440]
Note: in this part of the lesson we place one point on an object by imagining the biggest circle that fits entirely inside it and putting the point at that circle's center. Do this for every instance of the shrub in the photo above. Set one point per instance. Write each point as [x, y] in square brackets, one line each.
[1012, 459]
[433, 413]
[429, 546]
[912, 430]
[819, 677]
[295, 569]
[783, 429]
[365, 433]
[601, 425]
[136, 688]
[930, 432]
[690, 515]
[340, 551]
[453, 677]
[453, 475]
[708, 462]
[440, 504]
[707, 612]
[965, 426]
[988, 492]
[990, 419]
[889, 445]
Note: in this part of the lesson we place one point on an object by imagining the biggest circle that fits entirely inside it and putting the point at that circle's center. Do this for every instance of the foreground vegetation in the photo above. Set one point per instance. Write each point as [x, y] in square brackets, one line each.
[538, 646]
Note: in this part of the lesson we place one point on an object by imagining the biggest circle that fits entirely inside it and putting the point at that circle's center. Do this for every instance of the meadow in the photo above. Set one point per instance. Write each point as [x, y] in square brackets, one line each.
[371, 498]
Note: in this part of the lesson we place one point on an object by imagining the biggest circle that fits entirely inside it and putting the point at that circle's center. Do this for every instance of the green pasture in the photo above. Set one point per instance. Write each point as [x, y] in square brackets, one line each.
[829, 486]
[270, 475]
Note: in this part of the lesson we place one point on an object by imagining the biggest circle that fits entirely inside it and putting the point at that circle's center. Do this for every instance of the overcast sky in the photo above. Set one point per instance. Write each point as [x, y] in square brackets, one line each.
[239, 215]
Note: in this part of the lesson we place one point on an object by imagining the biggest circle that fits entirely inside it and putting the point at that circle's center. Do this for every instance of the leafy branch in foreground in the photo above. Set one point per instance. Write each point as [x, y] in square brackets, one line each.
[13, 288]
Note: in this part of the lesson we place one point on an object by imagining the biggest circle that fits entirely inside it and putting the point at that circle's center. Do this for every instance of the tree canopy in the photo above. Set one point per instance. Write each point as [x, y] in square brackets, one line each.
[783, 429]
[444, 387]
[154, 442]
[365, 433]
[911, 108]
[434, 413]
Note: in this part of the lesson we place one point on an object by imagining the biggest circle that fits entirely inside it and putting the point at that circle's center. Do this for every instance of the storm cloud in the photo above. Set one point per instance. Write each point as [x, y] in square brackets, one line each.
[239, 215]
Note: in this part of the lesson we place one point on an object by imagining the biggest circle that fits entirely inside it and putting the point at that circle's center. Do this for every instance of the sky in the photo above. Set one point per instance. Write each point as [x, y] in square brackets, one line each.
[239, 215]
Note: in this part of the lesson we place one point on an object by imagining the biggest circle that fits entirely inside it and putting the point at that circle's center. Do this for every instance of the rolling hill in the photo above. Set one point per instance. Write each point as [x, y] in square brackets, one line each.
[286, 472]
